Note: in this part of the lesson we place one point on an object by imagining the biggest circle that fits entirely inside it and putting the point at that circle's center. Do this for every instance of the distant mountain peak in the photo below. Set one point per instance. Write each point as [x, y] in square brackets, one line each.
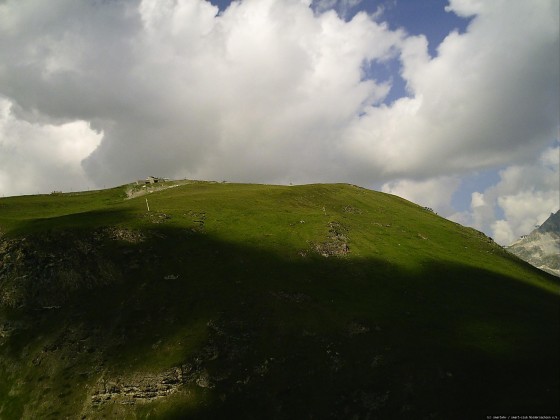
[541, 247]
[552, 224]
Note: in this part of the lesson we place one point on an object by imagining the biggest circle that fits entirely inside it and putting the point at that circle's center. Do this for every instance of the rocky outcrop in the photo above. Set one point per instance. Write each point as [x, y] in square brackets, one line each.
[41, 271]
[138, 388]
[337, 243]
[119, 234]
[228, 341]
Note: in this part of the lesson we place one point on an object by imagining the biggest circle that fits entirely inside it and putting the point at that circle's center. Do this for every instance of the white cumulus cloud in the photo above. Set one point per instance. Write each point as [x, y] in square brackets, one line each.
[524, 197]
[42, 157]
[435, 193]
[489, 98]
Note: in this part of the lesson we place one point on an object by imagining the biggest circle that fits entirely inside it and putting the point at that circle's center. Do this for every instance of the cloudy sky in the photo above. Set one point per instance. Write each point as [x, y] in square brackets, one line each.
[451, 104]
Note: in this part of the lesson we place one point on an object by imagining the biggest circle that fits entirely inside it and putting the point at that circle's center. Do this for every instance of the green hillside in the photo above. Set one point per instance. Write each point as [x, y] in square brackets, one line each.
[265, 302]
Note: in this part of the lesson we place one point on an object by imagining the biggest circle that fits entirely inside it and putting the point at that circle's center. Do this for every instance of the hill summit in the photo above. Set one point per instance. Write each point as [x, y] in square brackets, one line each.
[217, 300]
[541, 247]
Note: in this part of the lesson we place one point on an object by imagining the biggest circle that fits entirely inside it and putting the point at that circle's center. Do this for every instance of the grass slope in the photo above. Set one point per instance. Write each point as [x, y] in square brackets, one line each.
[323, 301]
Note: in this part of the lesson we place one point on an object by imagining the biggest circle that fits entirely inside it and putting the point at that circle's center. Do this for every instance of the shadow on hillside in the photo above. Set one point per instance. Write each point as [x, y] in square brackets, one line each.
[76, 220]
[292, 337]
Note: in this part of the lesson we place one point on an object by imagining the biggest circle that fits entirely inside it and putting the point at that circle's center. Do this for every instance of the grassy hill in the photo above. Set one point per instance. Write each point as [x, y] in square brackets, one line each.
[259, 301]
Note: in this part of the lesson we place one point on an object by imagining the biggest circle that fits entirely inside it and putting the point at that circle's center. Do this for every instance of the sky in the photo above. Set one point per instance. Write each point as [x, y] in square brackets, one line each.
[451, 104]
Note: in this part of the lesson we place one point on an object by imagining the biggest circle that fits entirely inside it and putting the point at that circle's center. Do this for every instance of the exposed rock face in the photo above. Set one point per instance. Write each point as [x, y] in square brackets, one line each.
[541, 247]
[138, 388]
